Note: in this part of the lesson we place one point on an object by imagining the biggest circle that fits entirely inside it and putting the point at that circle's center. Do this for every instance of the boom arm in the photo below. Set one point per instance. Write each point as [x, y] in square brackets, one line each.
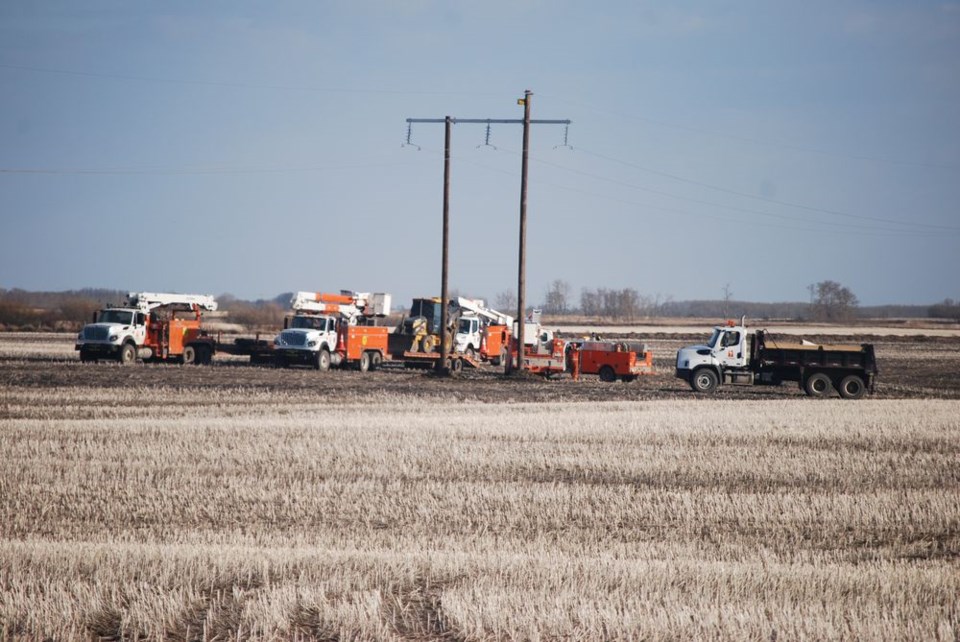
[346, 304]
[147, 301]
[476, 307]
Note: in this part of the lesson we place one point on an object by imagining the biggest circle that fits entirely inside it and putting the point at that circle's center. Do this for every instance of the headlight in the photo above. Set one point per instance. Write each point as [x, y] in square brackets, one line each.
[277, 341]
[311, 344]
[113, 338]
[80, 337]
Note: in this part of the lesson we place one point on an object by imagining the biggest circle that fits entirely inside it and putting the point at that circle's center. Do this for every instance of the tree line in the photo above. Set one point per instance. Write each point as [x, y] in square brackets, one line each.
[829, 301]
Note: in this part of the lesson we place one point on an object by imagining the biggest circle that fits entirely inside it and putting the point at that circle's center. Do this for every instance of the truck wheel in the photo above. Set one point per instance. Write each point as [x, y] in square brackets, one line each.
[364, 362]
[375, 360]
[128, 354]
[189, 355]
[456, 366]
[704, 380]
[851, 387]
[607, 374]
[628, 378]
[323, 359]
[818, 385]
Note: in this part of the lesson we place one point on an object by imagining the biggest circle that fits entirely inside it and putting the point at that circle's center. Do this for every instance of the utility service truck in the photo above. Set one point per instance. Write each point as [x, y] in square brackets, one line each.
[334, 330]
[151, 326]
[737, 356]
[482, 332]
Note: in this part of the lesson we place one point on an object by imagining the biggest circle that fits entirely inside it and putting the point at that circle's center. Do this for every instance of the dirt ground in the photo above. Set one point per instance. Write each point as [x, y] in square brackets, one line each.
[910, 368]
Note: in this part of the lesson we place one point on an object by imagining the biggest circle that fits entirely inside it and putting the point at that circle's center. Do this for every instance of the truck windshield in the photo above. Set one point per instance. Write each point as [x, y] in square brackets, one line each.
[123, 317]
[712, 343]
[309, 323]
[464, 326]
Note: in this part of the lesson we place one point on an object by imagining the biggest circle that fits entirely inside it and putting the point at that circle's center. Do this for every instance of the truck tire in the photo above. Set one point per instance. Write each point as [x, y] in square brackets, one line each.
[607, 374]
[189, 356]
[364, 362]
[851, 387]
[128, 354]
[375, 360]
[818, 385]
[323, 360]
[704, 380]
[456, 366]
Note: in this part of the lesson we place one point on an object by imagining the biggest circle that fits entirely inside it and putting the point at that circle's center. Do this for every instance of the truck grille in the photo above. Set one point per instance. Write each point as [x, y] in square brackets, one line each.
[96, 333]
[293, 338]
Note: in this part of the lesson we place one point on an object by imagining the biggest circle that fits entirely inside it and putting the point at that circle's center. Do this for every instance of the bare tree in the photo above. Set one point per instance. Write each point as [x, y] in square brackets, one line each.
[558, 297]
[505, 301]
[833, 302]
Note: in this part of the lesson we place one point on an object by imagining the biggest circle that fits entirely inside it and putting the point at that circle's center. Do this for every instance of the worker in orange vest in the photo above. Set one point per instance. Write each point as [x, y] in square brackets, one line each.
[575, 362]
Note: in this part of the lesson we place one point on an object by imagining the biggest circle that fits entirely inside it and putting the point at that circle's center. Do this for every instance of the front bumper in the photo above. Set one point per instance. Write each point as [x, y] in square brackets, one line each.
[292, 355]
[683, 373]
[88, 347]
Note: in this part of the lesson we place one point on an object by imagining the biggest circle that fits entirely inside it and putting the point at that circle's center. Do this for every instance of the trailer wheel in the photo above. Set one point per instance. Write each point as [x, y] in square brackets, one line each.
[364, 362]
[456, 366]
[189, 355]
[323, 359]
[128, 354]
[607, 374]
[628, 378]
[204, 355]
[818, 385]
[375, 360]
[851, 387]
[704, 380]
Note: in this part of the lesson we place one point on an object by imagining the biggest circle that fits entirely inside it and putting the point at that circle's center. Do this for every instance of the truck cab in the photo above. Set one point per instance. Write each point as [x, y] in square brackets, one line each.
[307, 339]
[116, 333]
[469, 336]
[725, 356]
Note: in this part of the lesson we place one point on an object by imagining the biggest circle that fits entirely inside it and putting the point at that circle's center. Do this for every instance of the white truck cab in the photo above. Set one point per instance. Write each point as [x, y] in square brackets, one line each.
[725, 353]
[469, 335]
[112, 329]
[308, 339]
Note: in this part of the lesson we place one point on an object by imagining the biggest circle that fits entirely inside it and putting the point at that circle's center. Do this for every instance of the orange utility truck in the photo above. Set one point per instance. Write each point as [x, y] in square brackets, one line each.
[149, 326]
[334, 330]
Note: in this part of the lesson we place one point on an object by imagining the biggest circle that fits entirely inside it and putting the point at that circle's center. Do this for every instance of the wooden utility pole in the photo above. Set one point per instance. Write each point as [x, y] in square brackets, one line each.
[522, 260]
[521, 277]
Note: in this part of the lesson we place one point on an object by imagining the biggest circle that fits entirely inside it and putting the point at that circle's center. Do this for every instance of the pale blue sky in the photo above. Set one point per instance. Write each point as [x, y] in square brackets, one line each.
[255, 147]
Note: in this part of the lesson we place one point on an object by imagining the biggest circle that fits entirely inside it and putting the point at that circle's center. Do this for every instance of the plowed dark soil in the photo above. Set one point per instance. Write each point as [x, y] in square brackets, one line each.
[910, 368]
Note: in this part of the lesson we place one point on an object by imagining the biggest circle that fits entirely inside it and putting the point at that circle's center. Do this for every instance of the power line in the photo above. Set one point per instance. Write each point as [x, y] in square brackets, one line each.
[237, 85]
[757, 141]
[178, 171]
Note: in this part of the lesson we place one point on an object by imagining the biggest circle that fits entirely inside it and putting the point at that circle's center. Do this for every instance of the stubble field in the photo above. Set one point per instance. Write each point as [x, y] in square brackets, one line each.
[184, 503]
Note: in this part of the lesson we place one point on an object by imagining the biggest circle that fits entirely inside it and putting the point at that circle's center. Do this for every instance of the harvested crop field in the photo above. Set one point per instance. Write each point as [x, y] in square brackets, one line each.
[162, 502]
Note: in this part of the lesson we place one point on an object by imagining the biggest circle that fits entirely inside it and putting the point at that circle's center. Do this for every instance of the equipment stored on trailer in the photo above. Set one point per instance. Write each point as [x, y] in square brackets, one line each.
[734, 355]
[334, 330]
[150, 326]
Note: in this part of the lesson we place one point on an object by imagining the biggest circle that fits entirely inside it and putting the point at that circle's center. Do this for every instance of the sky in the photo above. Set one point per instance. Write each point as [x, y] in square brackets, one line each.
[255, 148]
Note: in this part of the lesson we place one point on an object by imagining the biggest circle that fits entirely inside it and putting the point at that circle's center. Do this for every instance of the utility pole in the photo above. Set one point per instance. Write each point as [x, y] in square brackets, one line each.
[522, 259]
[521, 278]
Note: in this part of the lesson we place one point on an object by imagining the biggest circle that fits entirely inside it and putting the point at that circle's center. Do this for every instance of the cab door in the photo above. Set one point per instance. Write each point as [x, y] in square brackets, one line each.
[139, 328]
[730, 349]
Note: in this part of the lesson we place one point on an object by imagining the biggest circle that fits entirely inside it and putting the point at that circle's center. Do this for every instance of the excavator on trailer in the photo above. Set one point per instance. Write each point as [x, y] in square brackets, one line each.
[334, 330]
[151, 326]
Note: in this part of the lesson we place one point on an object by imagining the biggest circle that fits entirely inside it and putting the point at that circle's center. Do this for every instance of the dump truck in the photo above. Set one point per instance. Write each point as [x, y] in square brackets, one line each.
[156, 326]
[337, 330]
[735, 355]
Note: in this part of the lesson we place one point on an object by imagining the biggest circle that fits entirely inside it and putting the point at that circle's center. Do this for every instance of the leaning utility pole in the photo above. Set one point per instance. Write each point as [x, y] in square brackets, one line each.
[521, 278]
